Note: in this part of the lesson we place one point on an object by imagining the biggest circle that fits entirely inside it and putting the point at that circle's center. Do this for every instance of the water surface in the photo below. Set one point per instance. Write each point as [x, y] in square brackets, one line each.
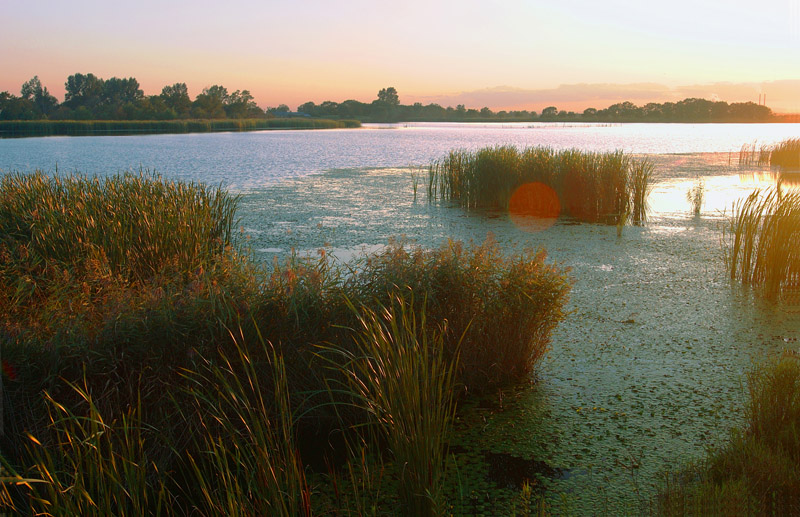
[251, 160]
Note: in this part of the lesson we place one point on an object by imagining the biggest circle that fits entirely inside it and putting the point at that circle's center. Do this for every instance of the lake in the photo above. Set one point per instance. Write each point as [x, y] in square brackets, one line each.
[245, 161]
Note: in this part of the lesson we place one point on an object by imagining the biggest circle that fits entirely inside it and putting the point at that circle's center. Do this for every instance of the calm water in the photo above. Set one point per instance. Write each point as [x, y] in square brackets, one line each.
[247, 161]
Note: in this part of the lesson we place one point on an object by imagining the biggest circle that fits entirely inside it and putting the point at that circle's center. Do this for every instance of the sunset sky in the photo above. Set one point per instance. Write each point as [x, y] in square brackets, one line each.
[506, 55]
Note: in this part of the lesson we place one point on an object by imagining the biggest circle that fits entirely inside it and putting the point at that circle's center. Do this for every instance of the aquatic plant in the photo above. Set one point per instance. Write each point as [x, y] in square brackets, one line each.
[786, 155]
[761, 241]
[758, 471]
[401, 376]
[593, 187]
[754, 155]
[129, 285]
[94, 465]
[695, 196]
[501, 309]
[247, 461]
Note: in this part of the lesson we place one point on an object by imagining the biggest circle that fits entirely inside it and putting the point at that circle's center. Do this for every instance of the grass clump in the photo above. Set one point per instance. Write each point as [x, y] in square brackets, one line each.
[758, 471]
[592, 187]
[127, 287]
[695, 196]
[786, 155]
[761, 245]
[401, 376]
[95, 466]
[499, 311]
[247, 461]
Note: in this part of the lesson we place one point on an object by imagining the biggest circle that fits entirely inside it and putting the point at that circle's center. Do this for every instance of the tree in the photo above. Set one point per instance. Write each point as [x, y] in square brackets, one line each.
[550, 111]
[308, 107]
[83, 90]
[16, 108]
[33, 91]
[176, 98]
[118, 92]
[389, 96]
[240, 104]
[210, 103]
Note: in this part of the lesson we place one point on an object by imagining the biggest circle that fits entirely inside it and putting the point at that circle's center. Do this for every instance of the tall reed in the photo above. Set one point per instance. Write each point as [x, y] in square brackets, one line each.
[400, 374]
[501, 308]
[595, 187]
[96, 466]
[248, 462]
[139, 223]
[761, 241]
[786, 155]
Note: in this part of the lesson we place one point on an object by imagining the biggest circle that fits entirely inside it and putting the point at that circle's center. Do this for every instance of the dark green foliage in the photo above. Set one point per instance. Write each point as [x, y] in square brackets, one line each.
[593, 187]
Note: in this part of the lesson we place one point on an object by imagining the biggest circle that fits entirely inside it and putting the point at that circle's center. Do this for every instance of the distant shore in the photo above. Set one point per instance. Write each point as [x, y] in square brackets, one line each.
[32, 128]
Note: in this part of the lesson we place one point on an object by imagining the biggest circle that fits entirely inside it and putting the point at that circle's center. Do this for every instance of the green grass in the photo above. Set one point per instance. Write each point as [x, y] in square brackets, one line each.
[18, 128]
[592, 187]
[401, 377]
[128, 286]
[758, 471]
[761, 241]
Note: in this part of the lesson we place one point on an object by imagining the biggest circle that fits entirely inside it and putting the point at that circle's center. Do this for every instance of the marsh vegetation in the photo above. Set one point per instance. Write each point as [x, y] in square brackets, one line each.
[157, 369]
[591, 187]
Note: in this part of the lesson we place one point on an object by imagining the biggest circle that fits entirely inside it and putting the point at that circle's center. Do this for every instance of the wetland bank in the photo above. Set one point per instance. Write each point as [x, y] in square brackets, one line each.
[644, 373]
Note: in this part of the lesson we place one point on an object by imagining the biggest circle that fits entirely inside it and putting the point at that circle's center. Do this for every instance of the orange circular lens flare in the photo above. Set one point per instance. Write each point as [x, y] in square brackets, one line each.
[534, 206]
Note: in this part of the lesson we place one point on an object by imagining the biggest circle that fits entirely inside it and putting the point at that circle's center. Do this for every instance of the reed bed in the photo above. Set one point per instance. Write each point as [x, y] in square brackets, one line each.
[593, 187]
[19, 128]
[786, 155]
[758, 471]
[754, 155]
[139, 223]
[128, 287]
[761, 241]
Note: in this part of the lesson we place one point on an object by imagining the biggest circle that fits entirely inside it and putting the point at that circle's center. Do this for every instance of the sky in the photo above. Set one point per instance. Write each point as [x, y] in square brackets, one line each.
[514, 54]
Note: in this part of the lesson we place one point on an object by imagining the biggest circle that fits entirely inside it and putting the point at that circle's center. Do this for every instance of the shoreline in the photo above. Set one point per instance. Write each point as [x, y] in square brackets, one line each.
[41, 128]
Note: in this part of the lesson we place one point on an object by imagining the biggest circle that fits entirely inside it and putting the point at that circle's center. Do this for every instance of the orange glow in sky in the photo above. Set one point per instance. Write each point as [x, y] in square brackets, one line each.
[516, 55]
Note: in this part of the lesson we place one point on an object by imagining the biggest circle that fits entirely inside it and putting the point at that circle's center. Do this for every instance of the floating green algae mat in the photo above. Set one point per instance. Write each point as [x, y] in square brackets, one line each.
[646, 372]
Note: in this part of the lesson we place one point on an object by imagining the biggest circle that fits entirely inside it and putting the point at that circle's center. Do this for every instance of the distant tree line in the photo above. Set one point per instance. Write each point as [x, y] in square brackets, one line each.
[89, 97]
[387, 108]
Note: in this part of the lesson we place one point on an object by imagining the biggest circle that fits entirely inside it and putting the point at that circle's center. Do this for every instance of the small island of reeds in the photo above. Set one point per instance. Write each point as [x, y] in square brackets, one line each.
[591, 187]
